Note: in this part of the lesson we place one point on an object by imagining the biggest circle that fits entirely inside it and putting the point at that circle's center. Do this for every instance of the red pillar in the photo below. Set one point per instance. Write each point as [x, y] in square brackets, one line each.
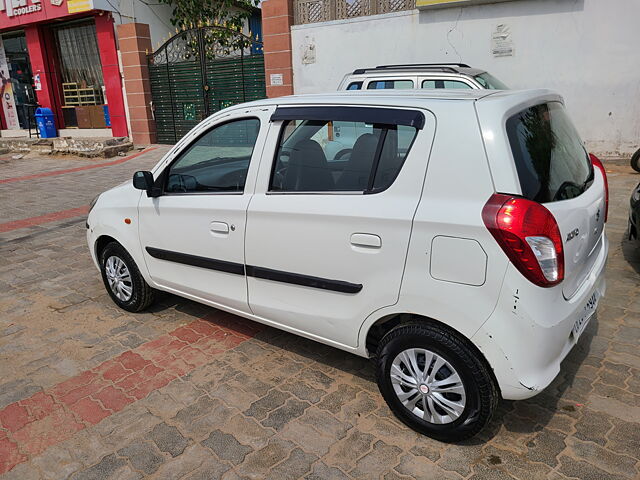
[135, 42]
[277, 18]
[111, 73]
[41, 63]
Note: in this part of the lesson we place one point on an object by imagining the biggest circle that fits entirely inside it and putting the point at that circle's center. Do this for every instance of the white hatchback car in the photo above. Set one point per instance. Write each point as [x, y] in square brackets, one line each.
[460, 241]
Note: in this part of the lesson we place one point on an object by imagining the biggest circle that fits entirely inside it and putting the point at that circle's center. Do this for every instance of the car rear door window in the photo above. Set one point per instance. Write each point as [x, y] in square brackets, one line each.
[390, 84]
[448, 84]
[339, 156]
[217, 161]
[550, 158]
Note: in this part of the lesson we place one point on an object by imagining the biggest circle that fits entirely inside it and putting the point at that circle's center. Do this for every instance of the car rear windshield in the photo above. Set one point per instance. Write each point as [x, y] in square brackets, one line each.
[551, 160]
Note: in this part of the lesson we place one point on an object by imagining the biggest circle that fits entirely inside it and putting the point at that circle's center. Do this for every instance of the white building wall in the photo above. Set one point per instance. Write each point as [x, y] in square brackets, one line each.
[158, 17]
[585, 49]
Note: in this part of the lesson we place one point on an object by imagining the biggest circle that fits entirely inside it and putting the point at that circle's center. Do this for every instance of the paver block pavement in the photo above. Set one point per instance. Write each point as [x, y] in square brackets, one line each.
[88, 391]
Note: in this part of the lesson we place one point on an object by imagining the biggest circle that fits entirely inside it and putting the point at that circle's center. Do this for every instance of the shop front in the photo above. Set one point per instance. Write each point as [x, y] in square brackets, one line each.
[62, 55]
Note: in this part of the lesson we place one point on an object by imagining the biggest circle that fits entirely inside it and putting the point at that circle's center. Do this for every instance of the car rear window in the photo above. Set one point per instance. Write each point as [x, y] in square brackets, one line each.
[389, 84]
[550, 158]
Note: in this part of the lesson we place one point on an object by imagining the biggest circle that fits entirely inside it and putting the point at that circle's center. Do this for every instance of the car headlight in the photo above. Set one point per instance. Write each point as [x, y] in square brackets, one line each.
[93, 203]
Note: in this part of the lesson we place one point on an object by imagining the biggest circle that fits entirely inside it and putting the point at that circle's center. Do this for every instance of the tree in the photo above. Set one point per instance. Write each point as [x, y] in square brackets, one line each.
[231, 14]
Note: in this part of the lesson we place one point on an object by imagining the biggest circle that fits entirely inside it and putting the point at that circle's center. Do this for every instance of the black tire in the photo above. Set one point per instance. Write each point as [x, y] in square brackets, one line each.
[481, 393]
[142, 294]
[635, 161]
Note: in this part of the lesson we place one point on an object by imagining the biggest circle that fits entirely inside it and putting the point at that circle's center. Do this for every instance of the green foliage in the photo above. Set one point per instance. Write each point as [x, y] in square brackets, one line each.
[231, 14]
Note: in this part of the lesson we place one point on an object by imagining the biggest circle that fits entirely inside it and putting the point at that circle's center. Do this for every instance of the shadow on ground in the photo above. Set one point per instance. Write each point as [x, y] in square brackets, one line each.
[532, 415]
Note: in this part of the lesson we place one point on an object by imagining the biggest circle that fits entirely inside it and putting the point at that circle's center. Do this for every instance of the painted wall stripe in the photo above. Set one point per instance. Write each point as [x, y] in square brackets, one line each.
[32, 425]
[77, 169]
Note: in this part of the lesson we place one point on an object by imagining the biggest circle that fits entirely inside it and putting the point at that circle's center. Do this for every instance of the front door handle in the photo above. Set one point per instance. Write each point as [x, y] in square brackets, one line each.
[219, 227]
[366, 240]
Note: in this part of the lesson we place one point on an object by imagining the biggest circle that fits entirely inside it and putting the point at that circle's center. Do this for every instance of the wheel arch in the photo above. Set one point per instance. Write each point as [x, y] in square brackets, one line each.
[101, 242]
[107, 236]
[382, 326]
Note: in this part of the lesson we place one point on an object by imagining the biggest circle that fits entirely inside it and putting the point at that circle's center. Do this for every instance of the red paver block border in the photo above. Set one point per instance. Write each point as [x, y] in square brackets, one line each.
[89, 411]
[10, 456]
[46, 218]
[13, 417]
[47, 418]
[113, 398]
[39, 435]
[77, 169]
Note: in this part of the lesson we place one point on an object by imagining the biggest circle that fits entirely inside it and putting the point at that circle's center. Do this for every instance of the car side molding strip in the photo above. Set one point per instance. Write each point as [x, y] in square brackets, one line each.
[256, 272]
[303, 280]
[196, 261]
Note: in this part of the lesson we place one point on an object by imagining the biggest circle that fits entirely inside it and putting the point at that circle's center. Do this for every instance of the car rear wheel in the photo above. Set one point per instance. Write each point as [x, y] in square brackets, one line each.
[635, 161]
[122, 279]
[434, 382]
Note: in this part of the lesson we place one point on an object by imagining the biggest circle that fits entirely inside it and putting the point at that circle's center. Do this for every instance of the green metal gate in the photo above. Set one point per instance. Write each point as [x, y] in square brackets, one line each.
[200, 71]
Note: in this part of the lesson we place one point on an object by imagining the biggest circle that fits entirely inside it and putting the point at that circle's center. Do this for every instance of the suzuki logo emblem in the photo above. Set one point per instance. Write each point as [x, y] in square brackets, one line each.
[573, 234]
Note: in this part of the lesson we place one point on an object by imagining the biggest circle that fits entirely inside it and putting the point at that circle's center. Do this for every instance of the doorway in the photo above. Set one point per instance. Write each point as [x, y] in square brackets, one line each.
[20, 77]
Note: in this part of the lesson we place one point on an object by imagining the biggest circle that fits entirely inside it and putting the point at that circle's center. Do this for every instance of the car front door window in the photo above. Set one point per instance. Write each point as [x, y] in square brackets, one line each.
[216, 162]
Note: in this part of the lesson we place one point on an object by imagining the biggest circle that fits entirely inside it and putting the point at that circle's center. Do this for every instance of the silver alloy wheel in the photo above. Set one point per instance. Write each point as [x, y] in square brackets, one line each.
[428, 386]
[119, 278]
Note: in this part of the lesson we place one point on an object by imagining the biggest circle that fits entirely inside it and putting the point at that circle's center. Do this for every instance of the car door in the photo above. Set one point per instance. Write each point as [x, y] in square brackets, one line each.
[192, 235]
[326, 248]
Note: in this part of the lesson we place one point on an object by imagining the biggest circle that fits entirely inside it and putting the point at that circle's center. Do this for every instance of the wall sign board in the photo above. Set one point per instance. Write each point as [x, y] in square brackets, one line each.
[276, 79]
[14, 13]
[502, 42]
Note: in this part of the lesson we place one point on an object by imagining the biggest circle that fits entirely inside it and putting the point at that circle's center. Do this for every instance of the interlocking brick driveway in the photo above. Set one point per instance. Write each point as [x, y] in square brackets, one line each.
[184, 391]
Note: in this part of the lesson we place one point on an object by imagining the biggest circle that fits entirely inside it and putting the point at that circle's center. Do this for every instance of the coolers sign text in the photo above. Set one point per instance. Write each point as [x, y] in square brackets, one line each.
[14, 8]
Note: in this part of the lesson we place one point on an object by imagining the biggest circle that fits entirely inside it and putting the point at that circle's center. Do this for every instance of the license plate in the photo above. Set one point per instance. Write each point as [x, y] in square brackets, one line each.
[589, 310]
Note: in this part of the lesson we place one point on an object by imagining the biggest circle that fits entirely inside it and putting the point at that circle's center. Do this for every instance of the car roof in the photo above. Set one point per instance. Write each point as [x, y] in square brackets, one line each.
[415, 97]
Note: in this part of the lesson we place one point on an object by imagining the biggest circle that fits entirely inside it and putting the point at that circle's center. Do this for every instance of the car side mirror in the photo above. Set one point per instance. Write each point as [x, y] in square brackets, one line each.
[143, 180]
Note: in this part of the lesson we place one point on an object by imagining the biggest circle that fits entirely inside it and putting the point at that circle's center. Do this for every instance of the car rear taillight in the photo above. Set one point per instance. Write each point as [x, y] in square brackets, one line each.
[597, 163]
[529, 235]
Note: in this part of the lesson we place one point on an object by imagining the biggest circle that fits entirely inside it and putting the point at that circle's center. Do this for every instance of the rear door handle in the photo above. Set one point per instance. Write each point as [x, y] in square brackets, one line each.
[219, 227]
[366, 240]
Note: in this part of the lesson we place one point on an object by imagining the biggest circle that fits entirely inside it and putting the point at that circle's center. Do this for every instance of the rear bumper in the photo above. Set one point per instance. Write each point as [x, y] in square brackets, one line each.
[530, 331]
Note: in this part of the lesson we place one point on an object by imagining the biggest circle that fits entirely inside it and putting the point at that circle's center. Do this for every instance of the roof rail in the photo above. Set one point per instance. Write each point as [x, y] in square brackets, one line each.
[445, 67]
[406, 65]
